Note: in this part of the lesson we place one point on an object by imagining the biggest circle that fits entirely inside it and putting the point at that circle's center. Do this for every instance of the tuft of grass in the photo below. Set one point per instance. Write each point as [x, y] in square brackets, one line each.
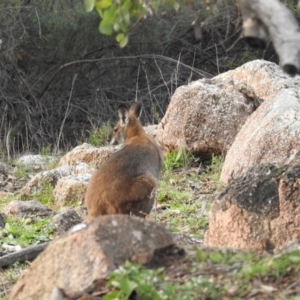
[5, 200]
[25, 231]
[275, 266]
[48, 158]
[20, 171]
[98, 137]
[52, 164]
[46, 151]
[174, 160]
[155, 115]
[213, 173]
[45, 196]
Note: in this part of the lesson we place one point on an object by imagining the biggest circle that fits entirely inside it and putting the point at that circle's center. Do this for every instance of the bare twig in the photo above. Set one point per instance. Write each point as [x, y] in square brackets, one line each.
[66, 114]
[146, 56]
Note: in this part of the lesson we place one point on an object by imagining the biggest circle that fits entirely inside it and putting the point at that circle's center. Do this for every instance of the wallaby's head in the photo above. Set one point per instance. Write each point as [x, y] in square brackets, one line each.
[128, 124]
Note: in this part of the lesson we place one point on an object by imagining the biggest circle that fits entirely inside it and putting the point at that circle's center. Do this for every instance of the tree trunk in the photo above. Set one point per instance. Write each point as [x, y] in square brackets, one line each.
[263, 18]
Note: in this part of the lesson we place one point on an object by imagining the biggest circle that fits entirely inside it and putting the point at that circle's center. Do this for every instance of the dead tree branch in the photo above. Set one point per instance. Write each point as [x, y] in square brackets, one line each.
[272, 18]
[29, 253]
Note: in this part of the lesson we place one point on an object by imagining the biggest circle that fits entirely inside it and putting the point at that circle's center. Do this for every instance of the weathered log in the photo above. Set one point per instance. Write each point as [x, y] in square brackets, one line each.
[29, 253]
[262, 18]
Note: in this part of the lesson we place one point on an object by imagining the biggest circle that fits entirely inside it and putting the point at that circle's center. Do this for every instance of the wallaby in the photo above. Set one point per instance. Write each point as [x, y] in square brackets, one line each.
[127, 182]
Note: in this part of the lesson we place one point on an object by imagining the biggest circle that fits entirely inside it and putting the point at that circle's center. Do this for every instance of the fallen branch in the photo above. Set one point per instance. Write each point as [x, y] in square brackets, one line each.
[29, 253]
[263, 19]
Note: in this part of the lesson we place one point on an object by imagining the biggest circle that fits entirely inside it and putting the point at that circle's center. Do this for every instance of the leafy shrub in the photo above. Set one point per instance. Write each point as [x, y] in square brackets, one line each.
[45, 196]
[174, 160]
[25, 232]
[98, 137]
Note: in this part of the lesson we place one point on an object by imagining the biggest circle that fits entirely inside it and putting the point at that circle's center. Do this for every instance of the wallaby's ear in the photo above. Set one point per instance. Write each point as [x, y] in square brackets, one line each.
[123, 114]
[136, 109]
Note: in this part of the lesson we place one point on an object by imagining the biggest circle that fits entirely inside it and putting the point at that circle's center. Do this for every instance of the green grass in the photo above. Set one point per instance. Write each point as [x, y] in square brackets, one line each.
[181, 214]
[45, 196]
[186, 211]
[174, 160]
[5, 200]
[20, 171]
[210, 274]
[152, 285]
[49, 160]
[98, 137]
[25, 231]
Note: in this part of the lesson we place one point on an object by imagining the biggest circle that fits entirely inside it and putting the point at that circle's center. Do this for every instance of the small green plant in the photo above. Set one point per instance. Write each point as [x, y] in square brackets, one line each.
[271, 266]
[26, 231]
[20, 171]
[155, 114]
[213, 172]
[216, 167]
[5, 200]
[46, 196]
[132, 279]
[98, 137]
[46, 151]
[2, 154]
[174, 160]
[50, 161]
[292, 5]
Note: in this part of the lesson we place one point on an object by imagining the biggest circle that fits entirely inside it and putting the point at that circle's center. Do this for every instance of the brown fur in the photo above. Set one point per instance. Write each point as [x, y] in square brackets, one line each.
[127, 182]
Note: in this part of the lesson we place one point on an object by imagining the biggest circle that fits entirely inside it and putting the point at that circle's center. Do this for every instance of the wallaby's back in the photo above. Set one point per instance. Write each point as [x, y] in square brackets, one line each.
[127, 182]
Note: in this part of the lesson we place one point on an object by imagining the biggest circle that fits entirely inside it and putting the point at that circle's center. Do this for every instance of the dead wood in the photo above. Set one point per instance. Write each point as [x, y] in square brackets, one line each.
[263, 19]
[29, 253]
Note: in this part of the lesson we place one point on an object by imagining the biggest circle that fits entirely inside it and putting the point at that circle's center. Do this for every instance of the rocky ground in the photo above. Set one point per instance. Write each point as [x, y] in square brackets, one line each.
[185, 196]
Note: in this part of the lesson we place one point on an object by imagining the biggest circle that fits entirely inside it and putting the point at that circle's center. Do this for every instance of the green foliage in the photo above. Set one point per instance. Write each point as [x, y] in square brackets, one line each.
[174, 160]
[214, 170]
[271, 266]
[291, 4]
[184, 213]
[25, 232]
[118, 16]
[51, 161]
[2, 154]
[151, 285]
[46, 196]
[46, 150]
[5, 200]
[211, 274]
[132, 277]
[98, 137]
[216, 167]
[20, 171]
[155, 114]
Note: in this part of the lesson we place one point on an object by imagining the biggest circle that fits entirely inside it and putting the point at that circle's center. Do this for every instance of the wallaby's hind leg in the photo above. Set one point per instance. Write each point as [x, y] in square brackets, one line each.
[142, 195]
